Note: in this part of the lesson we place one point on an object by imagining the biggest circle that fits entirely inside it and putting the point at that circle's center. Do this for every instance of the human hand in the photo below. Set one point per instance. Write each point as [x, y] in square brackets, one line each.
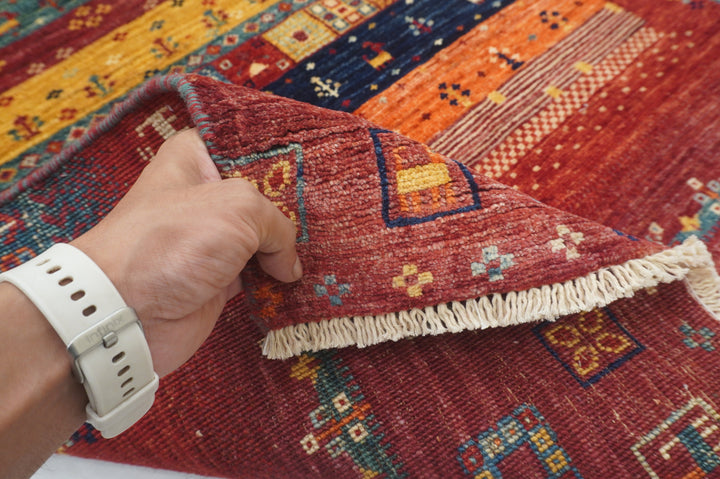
[176, 243]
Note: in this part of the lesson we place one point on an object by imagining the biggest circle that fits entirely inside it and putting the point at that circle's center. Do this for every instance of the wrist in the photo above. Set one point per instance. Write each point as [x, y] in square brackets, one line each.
[43, 404]
[105, 258]
[38, 358]
[110, 355]
[115, 266]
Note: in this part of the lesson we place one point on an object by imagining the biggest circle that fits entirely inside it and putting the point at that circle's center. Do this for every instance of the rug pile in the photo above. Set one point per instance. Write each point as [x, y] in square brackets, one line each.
[506, 211]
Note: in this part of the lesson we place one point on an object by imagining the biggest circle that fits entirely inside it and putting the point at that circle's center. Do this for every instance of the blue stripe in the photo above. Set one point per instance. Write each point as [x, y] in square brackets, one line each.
[409, 35]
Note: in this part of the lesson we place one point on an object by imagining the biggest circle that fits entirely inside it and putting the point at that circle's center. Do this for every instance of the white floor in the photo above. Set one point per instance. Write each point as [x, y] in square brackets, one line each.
[68, 467]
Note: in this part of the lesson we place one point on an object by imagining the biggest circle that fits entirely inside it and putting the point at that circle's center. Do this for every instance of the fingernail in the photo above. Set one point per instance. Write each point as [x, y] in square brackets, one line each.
[297, 269]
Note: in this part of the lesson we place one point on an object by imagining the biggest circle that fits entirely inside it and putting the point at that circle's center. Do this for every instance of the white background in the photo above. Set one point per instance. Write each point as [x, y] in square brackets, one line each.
[61, 466]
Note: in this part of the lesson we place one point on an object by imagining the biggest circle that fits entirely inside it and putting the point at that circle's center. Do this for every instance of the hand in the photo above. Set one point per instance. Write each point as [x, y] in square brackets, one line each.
[176, 243]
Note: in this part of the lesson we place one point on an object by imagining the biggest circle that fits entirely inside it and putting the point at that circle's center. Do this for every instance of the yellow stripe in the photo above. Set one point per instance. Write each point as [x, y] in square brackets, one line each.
[95, 75]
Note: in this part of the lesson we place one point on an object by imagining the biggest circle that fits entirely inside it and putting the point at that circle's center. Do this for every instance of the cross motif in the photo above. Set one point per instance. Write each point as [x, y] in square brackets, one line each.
[567, 240]
[412, 280]
[698, 338]
[331, 285]
[491, 256]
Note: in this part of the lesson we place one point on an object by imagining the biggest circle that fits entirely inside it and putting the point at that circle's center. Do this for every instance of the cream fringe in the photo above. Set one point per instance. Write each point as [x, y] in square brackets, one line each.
[689, 261]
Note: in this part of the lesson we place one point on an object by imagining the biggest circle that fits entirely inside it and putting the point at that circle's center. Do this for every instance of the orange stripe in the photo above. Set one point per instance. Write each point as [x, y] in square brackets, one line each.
[473, 67]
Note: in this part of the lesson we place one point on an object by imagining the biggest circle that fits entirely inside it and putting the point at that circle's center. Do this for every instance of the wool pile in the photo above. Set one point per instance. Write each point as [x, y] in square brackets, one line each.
[506, 212]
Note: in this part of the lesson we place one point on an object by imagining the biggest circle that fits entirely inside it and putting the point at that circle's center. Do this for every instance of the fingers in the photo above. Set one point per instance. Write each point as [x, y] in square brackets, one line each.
[184, 160]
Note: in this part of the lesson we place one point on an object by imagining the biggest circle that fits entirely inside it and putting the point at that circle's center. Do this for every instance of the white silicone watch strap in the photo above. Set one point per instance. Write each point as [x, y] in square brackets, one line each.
[112, 358]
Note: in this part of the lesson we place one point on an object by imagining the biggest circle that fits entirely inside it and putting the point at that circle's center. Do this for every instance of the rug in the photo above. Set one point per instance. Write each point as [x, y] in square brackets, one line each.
[583, 138]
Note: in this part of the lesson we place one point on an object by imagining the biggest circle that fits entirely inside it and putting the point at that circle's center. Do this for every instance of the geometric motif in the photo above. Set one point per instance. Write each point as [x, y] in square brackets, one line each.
[7, 174]
[688, 441]
[697, 338]
[479, 457]
[589, 345]
[330, 286]
[281, 167]
[565, 241]
[253, 64]
[9, 228]
[299, 36]
[270, 300]
[419, 185]
[412, 280]
[490, 257]
[703, 224]
[341, 15]
[343, 422]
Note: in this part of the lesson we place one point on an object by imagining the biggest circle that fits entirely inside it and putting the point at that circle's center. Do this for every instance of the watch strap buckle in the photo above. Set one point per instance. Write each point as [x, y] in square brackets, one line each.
[103, 333]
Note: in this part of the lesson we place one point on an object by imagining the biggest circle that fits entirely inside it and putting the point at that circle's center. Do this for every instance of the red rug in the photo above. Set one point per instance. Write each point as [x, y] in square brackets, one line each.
[398, 241]
[606, 116]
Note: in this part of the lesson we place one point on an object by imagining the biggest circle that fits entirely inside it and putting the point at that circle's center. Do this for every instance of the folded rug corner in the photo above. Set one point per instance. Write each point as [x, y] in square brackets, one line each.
[399, 241]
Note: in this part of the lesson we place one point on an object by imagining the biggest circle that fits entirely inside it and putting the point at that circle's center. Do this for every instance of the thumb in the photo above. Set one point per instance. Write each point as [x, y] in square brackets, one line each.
[276, 239]
[183, 160]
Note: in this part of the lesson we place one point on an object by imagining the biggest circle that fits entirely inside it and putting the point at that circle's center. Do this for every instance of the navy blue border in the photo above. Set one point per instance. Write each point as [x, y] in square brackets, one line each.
[385, 187]
[586, 383]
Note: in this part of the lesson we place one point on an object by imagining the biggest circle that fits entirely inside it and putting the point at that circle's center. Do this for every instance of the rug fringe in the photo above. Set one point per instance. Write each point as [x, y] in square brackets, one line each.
[689, 261]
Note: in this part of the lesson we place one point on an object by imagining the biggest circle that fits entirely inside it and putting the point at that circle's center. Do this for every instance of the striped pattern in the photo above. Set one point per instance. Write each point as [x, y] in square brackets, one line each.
[541, 82]
[201, 60]
[500, 159]
[72, 32]
[20, 18]
[421, 103]
[98, 74]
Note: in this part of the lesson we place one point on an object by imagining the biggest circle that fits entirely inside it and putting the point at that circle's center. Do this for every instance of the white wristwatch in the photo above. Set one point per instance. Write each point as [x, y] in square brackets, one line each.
[104, 336]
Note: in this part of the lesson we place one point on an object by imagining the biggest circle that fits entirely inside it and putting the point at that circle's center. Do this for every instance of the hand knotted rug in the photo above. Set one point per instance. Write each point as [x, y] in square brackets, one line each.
[579, 138]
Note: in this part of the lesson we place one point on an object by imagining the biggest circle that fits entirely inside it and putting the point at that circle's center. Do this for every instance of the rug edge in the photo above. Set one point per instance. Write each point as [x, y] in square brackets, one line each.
[128, 103]
[689, 261]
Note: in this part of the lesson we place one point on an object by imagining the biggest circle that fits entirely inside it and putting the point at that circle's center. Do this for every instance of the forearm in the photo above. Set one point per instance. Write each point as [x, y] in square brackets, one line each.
[42, 403]
[173, 247]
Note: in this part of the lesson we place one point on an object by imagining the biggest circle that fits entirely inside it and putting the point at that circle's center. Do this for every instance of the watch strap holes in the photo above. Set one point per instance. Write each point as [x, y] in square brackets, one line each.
[54, 269]
[123, 370]
[118, 357]
[65, 281]
[77, 295]
[128, 392]
[89, 310]
[45, 261]
[126, 382]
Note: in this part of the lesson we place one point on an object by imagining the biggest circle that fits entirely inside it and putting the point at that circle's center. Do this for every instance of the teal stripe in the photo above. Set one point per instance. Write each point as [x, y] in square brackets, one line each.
[31, 18]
